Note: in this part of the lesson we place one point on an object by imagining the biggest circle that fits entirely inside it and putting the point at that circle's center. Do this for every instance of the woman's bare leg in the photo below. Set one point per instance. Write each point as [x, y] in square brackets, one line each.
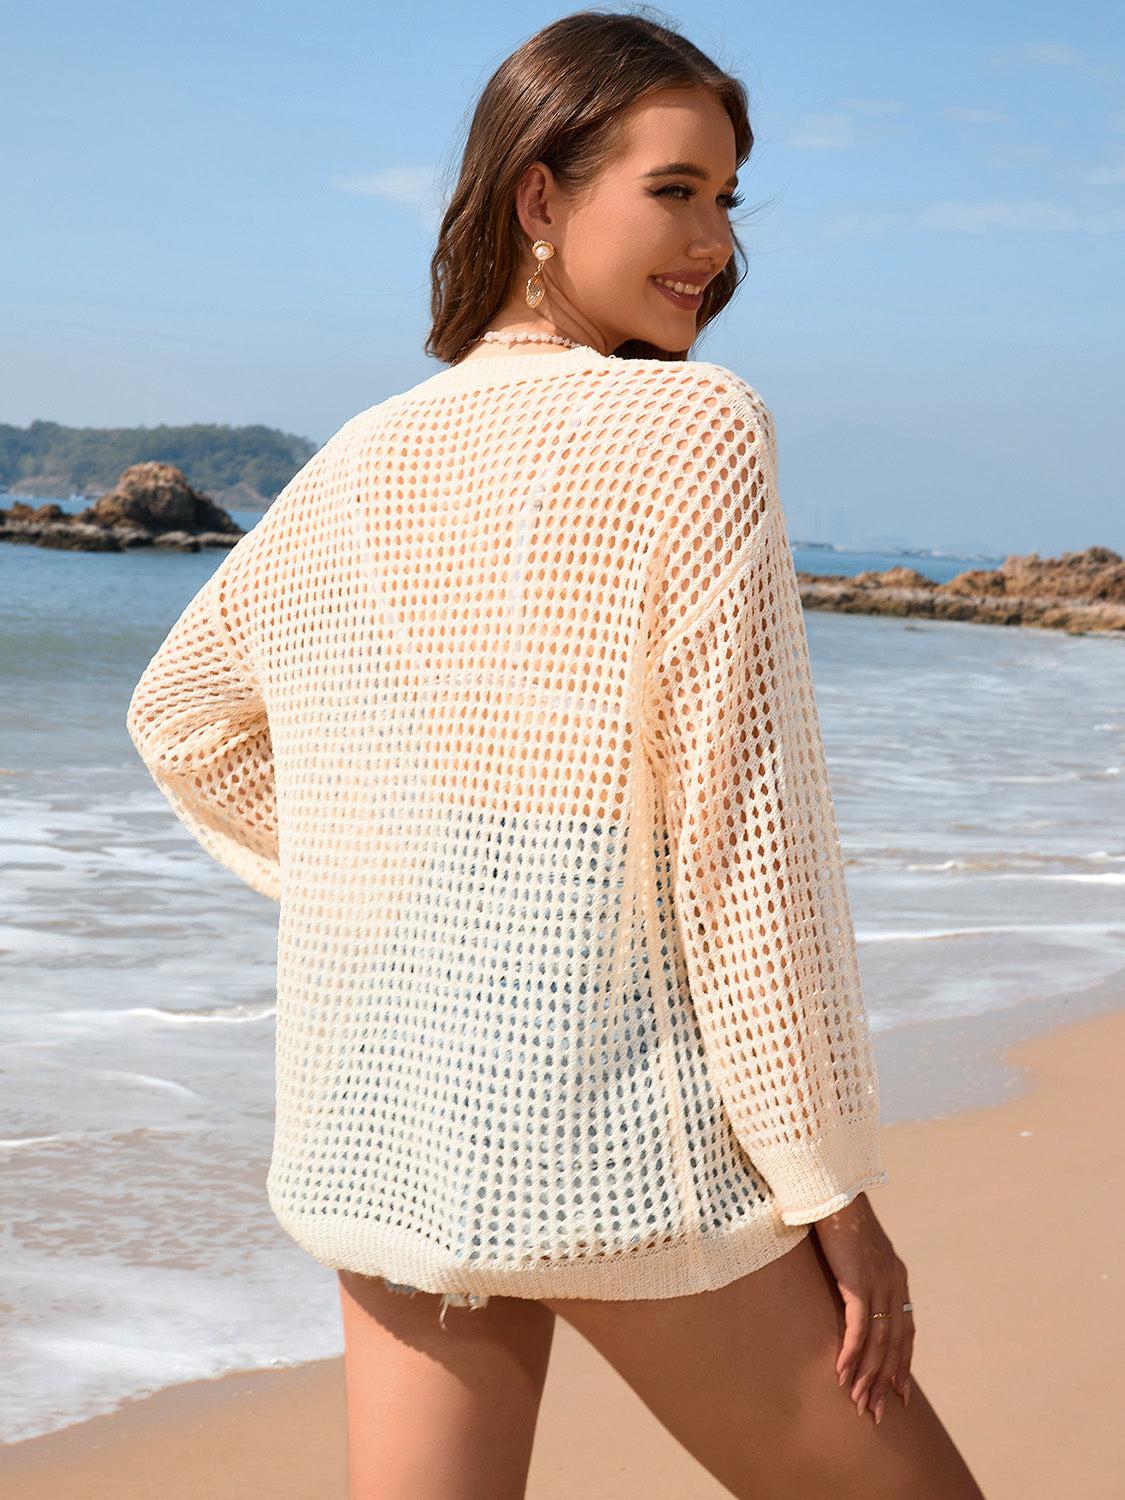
[447, 1412]
[744, 1377]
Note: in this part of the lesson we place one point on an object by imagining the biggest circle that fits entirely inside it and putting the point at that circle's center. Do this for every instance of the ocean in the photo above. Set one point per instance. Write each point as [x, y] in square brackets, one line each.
[977, 772]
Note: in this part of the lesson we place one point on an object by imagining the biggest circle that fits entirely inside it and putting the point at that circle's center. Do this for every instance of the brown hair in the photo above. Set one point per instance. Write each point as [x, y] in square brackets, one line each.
[556, 99]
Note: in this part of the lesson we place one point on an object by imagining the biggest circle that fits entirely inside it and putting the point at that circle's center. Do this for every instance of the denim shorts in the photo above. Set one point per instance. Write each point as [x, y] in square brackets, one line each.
[472, 1300]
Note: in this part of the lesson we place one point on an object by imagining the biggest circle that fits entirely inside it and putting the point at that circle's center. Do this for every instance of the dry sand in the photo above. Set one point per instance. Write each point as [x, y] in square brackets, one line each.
[1010, 1222]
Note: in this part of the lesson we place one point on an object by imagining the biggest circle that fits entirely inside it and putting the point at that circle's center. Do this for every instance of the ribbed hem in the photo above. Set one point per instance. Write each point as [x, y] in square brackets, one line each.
[679, 1269]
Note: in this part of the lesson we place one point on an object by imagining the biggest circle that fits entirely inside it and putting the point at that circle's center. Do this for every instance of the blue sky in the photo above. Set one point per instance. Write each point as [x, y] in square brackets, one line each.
[225, 213]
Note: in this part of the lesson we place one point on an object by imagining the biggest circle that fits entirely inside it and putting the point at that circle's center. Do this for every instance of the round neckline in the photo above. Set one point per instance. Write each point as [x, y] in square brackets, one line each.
[489, 369]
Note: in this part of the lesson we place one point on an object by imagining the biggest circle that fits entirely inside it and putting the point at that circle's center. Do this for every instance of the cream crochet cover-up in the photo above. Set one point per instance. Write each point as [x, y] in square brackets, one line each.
[506, 700]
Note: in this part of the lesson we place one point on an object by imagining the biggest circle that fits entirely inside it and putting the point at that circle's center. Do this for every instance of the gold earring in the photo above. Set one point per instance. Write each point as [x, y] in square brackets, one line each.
[533, 292]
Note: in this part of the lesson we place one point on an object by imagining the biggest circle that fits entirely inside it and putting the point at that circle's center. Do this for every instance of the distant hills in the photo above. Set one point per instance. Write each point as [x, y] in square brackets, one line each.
[238, 467]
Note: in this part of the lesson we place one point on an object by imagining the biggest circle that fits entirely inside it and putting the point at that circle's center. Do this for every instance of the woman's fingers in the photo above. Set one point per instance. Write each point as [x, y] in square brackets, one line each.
[888, 1349]
[855, 1330]
[875, 1347]
[906, 1352]
[881, 1383]
[892, 1360]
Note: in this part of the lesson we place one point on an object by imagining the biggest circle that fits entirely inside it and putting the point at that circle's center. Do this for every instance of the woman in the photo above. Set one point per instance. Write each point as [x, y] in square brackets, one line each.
[507, 701]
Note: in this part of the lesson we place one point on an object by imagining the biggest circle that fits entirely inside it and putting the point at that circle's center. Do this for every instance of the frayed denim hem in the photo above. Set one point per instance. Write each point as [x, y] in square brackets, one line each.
[471, 1300]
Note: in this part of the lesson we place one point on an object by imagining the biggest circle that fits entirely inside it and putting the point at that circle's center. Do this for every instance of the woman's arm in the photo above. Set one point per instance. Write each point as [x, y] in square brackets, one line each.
[198, 721]
[758, 869]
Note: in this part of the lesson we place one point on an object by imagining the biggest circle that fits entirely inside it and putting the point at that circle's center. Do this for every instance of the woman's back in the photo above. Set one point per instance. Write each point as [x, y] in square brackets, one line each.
[506, 700]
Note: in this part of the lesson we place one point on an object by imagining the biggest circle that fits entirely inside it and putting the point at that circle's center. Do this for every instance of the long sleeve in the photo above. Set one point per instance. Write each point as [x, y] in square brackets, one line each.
[759, 886]
[198, 721]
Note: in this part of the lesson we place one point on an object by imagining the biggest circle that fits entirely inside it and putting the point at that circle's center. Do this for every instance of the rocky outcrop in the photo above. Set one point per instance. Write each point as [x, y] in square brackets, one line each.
[1082, 593]
[152, 505]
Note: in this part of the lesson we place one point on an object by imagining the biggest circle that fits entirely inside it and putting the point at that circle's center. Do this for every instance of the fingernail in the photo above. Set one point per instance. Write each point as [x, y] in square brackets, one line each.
[843, 1376]
[861, 1403]
[879, 1411]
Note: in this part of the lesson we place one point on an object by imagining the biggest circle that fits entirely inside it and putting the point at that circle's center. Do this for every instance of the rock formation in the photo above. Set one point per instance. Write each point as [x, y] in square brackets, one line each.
[152, 505]
[1080, 592]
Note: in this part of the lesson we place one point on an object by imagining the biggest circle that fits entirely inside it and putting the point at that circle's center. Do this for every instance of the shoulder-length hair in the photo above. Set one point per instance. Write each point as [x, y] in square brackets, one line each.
[557, 99]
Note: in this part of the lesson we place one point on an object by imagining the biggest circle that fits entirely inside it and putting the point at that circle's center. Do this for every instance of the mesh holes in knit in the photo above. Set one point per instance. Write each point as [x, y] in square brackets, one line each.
[506, 701]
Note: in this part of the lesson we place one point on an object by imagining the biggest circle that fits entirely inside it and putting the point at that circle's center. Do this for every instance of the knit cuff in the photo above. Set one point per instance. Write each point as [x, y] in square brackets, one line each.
[815, 1178]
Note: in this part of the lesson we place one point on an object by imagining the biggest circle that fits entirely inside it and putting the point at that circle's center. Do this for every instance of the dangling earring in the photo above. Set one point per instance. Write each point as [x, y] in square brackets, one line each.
[533, 292]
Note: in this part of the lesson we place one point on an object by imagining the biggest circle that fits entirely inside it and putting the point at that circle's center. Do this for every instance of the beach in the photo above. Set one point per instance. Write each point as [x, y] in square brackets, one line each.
[390, 873]
[157, 1320]
[1009, 1219]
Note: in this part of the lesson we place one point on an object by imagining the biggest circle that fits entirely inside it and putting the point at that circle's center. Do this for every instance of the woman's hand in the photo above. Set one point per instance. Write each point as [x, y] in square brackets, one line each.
[876, 1352]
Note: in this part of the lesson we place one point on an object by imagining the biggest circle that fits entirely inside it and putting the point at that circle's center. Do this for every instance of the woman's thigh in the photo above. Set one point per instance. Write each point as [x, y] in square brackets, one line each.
[446, 1411]
[744, 1377]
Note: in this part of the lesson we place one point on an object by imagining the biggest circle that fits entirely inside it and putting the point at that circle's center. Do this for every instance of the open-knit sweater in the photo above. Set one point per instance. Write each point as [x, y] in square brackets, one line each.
[507, 701]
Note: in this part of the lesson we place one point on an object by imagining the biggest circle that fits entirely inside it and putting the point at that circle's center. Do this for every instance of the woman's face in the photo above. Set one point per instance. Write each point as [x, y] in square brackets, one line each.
[638, 221]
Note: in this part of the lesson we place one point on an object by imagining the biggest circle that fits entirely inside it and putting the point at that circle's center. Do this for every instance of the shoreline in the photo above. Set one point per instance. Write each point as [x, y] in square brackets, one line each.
[938, 1068]
[1006, 1213]
[841, 595]
[1082, 593]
